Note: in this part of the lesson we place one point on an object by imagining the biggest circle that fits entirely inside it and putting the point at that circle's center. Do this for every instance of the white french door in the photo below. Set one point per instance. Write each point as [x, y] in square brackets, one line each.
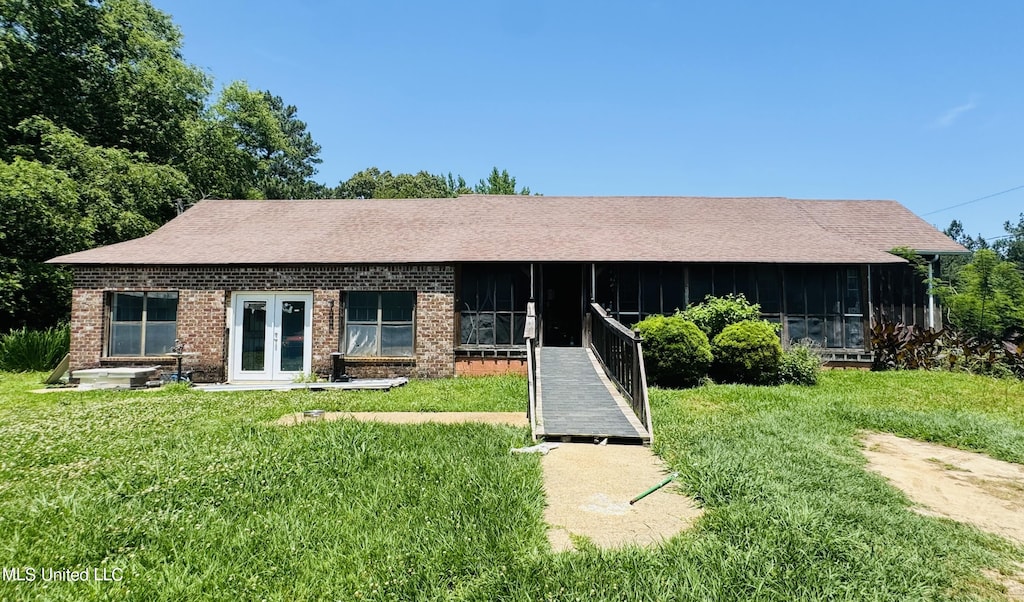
[271, 335]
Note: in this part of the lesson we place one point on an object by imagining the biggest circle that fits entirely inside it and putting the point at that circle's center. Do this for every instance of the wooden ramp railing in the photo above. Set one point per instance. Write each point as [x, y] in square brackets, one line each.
[620, 353]
[531, 366]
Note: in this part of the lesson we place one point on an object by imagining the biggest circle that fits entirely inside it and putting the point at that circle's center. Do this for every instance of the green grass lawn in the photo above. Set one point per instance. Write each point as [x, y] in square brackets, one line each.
[197, 496]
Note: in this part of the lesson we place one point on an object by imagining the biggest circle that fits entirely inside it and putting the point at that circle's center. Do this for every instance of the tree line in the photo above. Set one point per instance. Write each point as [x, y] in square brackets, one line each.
[106, 133]
[983, 293]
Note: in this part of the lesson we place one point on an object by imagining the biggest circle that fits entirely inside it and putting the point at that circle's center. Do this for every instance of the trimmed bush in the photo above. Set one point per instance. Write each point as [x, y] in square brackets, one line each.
[715, 313]
[34, 350]
[676, 352]
[800, 365]
[747, 352]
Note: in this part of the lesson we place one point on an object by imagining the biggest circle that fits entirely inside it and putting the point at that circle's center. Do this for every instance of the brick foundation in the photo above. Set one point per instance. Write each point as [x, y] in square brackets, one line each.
[204, 297]
[487, 366]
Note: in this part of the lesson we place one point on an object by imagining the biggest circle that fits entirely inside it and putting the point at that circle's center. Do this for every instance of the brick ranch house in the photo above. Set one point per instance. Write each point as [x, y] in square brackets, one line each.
[268, 290]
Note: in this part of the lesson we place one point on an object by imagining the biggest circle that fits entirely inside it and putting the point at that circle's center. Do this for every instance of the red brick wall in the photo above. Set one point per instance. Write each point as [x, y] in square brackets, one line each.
[487, 366]
[204, 295]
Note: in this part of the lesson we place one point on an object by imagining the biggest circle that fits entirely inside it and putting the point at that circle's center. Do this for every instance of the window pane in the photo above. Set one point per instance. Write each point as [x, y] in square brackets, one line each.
[360, 340]
[477, 329]
[397, 306]
[160, 337]
[700, 284]
[795, 303]
[854, 333]
[834, 331]
[396, 341]
[503, 329]
[486, 293]
[796, 328]
[485, 329]
[521, 286]
[814, 284]
[467, 328]
[672, 289]
[128, 307]
[815, 330]
[768, 293]
[503, 291]
[519, 329]
[650, 291]
[254, 330]
[629, 288]
[834, 283]
[746, 284]
[293, 335]
[723, 279]
[853, 291]
[125, 338]
[362, 307]
[161, 307]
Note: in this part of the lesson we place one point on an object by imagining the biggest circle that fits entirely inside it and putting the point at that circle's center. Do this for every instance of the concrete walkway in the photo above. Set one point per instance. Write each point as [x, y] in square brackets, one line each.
[578, 400]
[588, 491]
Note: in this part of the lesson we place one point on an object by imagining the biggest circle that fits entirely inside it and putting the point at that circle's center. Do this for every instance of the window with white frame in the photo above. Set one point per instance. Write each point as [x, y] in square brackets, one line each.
[142, 323]
[379, 324]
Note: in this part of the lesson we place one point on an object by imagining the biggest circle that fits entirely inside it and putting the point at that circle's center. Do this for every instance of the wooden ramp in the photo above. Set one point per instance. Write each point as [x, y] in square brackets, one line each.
[577, 402]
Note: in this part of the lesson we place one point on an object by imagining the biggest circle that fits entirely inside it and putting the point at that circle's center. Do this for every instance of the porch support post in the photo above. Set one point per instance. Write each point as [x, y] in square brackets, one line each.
[593, 282]
[931, 294]
[871, 309]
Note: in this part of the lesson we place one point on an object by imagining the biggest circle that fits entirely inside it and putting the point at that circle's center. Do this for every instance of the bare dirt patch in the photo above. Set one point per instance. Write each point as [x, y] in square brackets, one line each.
[956, 484]
[964, 486]
[507, 418]
[588, 491]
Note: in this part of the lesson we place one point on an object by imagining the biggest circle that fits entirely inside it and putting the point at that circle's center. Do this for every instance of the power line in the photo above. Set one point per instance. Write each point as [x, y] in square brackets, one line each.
[973, 201]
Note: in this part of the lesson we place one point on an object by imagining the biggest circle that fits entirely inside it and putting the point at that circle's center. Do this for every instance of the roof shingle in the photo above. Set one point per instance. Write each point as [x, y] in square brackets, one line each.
[523, 228]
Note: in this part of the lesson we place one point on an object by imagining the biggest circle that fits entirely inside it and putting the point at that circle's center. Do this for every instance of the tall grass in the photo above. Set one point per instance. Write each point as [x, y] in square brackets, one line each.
[198, 496]
[26, 350]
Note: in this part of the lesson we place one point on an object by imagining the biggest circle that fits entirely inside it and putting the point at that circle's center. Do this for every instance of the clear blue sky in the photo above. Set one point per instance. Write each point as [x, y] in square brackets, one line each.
[920, 102]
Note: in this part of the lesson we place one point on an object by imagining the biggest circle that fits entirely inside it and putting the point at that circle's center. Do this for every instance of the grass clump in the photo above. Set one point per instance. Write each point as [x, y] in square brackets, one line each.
[24, 350]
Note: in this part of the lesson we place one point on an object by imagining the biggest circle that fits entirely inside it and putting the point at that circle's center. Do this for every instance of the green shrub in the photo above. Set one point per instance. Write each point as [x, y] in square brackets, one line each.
[715, 313]
[747, 352]
[34, 350]
[676, 352]
[800, 365]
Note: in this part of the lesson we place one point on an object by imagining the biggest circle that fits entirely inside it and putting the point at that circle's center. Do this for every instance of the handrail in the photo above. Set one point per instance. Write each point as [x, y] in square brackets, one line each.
[531, 367]
[620, 351]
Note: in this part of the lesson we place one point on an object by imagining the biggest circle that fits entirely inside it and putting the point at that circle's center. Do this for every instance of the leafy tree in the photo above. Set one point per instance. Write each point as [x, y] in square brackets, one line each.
[249, 144]
[109, 70]
[372, 183]
[62, 196]
[1011, 246]
[499, 183]
[971, 243]
[39, 218]
[989, 297]
[121, 195]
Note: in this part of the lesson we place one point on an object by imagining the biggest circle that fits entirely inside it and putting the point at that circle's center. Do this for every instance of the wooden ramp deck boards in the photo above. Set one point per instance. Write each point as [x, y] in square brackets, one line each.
[577, 401]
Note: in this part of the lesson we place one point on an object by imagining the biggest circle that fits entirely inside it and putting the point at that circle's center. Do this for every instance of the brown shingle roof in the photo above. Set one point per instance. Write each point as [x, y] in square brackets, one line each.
[521, 228]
